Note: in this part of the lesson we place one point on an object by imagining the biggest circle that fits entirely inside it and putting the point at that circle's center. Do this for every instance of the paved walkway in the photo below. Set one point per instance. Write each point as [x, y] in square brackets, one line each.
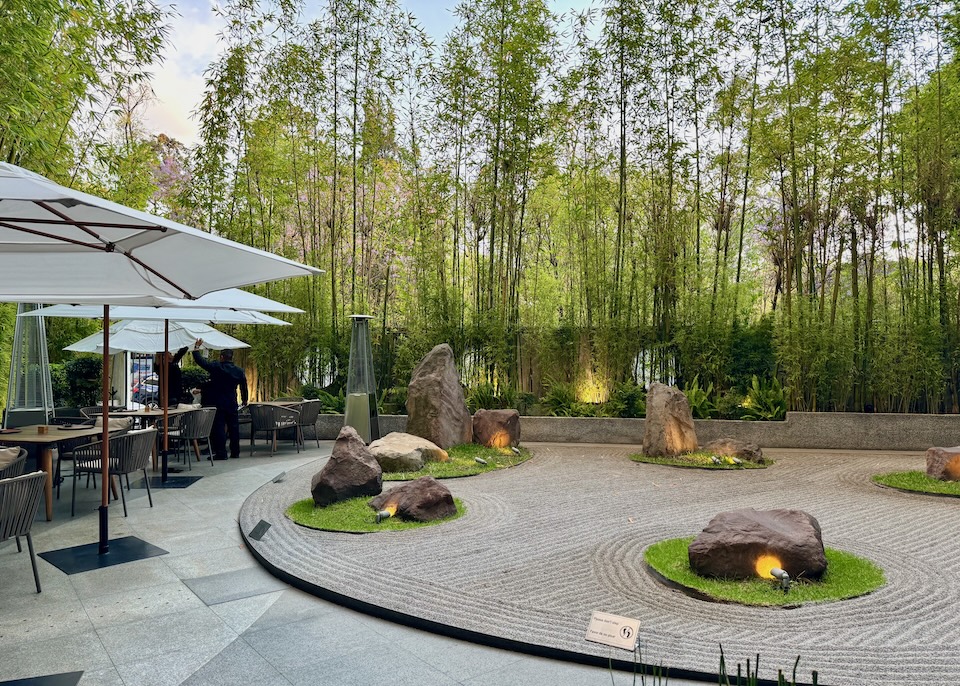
[544, 544]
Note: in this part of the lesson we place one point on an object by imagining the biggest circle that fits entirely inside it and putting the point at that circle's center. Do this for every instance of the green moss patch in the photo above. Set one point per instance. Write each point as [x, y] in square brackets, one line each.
[463, 462]
[918, 482]
[354, 516]
[701, 460]
[847, 576]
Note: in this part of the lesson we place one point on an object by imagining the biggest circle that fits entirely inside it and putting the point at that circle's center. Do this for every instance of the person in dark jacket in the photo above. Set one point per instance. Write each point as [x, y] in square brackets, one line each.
[221, 392]
[174, 376]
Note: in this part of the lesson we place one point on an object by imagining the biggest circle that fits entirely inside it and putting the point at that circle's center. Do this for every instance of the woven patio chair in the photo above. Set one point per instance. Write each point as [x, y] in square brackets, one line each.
[129, 452]
[309, 412]
[272, 419]
[19, 501]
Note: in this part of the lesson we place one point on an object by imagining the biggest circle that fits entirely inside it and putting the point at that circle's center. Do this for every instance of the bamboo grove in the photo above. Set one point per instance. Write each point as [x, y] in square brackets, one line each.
[642, 190]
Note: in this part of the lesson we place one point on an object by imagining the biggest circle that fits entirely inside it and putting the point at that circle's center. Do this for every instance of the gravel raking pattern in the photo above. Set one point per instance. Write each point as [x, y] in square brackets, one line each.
[544, 544]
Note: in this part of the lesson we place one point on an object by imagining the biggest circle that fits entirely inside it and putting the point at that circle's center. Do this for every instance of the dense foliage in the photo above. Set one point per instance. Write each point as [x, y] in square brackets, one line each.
[754, 199]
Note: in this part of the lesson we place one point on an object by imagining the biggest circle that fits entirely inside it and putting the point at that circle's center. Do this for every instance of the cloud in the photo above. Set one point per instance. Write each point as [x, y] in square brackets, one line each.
[178, 82]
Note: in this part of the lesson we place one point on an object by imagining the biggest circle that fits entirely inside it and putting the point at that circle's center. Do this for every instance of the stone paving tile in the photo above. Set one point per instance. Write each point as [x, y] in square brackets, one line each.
[126, 577]
[295, 606]
[101, 677]
[191, 632]
[392, 666]
[207, 562]
[48, 624]
[294, 645]
[238, 663]
[175, 665]
[240, 583]
[142, 603]
[241, 614]
[67, 653]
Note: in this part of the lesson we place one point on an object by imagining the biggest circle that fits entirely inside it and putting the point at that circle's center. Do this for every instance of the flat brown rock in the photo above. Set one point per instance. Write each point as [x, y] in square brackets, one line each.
[943, 463]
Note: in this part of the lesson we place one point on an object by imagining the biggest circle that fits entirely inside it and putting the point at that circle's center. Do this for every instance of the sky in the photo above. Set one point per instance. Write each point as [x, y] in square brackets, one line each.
[178, 81]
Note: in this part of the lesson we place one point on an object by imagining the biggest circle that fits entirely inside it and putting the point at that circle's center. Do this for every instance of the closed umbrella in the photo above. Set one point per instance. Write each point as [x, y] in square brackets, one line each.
[59, 245]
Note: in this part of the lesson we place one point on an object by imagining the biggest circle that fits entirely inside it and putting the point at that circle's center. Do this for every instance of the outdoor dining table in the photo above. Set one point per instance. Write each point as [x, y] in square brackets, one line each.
[46, 437]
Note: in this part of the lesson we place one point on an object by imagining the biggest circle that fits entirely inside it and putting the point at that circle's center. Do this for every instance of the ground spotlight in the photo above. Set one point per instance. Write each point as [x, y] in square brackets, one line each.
[784, 578]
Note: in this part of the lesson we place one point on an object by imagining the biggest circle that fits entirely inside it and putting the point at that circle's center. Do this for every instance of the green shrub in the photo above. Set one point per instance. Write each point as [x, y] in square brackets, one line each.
[560, 400]
[83, 381]
[329, 403]
[701, 404]
[193, 377]
[730, 405]
[627, 400]
[766, 400]
[483, 397]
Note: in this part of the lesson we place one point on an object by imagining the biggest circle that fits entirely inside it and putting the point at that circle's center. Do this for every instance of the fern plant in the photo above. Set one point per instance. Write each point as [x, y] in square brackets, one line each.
[700, 399]
[560, 400]
[766, 400]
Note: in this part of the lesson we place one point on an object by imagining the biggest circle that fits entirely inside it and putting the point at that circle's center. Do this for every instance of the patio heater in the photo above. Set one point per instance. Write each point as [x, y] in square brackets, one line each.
[361, 409]
[30, 391]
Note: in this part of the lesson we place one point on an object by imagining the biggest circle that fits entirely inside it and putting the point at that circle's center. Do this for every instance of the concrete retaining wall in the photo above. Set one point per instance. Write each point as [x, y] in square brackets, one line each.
[837, 430]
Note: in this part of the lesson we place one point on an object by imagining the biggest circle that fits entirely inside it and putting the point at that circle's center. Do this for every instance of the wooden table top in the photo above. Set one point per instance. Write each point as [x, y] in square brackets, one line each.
[54, 433]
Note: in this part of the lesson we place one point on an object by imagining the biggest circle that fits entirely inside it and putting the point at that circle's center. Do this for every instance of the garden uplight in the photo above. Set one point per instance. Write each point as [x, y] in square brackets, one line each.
[387, 512]
[765, 565]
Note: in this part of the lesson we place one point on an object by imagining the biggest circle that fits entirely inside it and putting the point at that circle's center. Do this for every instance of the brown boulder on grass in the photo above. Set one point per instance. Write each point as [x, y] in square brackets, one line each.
[350, 472]
[731, 447]
[422, 500]
[668, 428]
[436, 409]
[747, 543]
[496, 428]
[944, 463]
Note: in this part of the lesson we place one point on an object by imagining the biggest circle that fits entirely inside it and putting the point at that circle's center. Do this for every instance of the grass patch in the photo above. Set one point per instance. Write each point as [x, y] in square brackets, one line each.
[847, 576]
[701, 460]
[918, 482]
[463, 463]
[354, 516]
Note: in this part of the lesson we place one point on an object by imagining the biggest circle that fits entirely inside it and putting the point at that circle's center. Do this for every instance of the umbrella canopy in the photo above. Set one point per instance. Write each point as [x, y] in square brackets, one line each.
[140, 336]
[236, 299]
[59, 245]
[182, 314]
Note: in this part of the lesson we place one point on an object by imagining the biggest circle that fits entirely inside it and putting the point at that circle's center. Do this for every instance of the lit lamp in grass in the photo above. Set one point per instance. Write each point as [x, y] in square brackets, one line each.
[387, 512]
[769, 567]
[361, 405]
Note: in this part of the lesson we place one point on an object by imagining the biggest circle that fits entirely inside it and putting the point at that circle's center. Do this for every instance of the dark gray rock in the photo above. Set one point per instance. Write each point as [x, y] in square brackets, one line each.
[944, 463]
[436, 409]
[422, 500]
[668, 428]
[496, 428]
[731, 447]
[351, 471]
[403, 452]
[734, 542]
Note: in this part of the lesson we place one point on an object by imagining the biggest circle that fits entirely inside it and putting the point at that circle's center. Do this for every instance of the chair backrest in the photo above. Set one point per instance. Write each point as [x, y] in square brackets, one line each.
[19, 501]
[16, 467]
[309, 411]
[262, 416]
[289, 399]
[197, 424]
[130, 452]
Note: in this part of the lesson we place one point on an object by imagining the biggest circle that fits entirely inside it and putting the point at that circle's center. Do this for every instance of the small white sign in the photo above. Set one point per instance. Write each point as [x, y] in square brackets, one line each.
[613, 630]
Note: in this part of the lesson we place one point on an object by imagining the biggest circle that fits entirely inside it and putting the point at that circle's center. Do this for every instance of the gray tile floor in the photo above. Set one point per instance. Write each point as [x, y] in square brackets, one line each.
[207, 613]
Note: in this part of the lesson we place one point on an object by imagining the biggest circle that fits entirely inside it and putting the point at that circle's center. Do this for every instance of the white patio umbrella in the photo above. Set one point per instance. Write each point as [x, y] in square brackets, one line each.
[143, 336]
[59, 245]
[182, 314]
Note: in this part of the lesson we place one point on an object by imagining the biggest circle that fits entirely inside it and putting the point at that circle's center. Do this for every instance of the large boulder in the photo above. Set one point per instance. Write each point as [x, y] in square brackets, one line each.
[496, 428]
[747, 543]
[436, 409]
[400, 452]
[351, 471]
[668, 428]
[421, 500]
[731, 447]
[944, 463]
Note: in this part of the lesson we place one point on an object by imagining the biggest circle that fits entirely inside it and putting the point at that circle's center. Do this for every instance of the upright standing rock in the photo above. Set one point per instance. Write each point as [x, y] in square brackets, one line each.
[436, 409]
[668, 427]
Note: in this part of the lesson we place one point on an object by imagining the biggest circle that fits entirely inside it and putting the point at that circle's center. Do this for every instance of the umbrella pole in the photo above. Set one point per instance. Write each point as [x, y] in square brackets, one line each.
[164, 399]
[105, 438]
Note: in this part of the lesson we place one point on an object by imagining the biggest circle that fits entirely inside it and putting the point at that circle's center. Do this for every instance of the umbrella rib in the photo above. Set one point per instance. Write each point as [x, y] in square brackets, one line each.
[109, 246]
[59, 239]
[99, 225]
